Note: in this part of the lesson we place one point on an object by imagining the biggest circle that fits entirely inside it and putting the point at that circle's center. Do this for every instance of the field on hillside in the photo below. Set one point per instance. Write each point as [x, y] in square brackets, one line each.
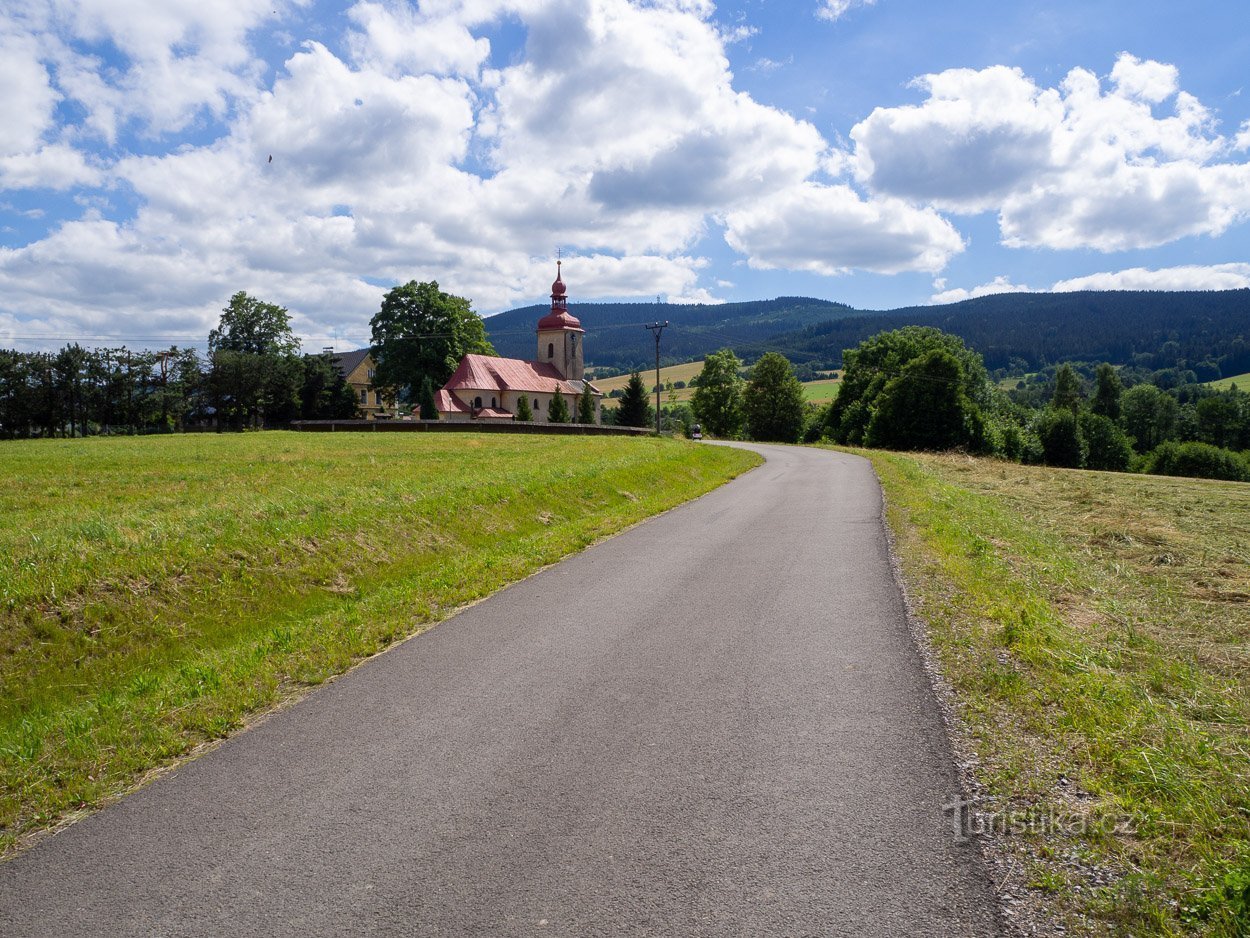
[1095, 628]
[1242, 382]
[156, 590]
[817, 392]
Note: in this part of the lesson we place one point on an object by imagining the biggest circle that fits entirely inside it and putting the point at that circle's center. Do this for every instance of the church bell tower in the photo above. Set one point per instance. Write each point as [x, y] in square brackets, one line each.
[560, 335]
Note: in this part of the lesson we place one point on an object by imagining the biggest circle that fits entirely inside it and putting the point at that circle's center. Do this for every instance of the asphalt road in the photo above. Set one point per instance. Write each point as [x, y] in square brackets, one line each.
[715, 723]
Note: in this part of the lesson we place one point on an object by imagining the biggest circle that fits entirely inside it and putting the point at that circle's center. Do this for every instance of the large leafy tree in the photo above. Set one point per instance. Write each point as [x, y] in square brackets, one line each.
[421, 332]
[926, 408]
[773, 401]
[253, 326]
[635, 410]
[256, 374]
[717, 401]
[951, 390]
[1149, 415]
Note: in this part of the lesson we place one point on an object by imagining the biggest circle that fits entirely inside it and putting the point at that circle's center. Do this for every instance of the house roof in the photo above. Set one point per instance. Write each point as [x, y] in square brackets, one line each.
[489, 373]
[349, 361]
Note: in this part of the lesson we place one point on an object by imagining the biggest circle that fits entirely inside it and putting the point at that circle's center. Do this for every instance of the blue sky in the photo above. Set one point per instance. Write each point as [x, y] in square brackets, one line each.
[878, 153]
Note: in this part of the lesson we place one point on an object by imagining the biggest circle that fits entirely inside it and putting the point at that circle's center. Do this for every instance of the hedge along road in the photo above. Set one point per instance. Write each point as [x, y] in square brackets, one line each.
[715, 723]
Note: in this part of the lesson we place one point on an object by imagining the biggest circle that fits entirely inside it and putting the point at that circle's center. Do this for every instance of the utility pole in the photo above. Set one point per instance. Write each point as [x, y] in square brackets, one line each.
[657, 329]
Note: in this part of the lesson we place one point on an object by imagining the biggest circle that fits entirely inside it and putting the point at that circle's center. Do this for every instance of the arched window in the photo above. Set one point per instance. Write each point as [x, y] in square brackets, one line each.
[492, 403]
[477, 402]
[551, 350]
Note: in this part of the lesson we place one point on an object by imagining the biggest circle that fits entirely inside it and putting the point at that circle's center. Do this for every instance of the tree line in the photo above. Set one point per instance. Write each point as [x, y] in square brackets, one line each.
[252, 376]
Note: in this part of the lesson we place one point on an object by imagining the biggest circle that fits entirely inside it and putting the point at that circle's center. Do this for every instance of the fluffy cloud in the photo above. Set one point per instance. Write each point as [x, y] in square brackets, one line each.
[1189, 277]
[1077, 166]
[830, 230]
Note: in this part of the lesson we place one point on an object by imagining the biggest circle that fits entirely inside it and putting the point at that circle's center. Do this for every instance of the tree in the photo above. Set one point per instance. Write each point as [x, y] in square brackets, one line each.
[1107, 392]
[1067, 395]
[427, 409]
[635, 410]
[884, 357]
[717, 401]
[926, 408]
[1218, 419]
[421, 332]
[1108, 447]
[773, 401]
[1062, 442]
[1149, 415]
[325, 394]
[557, 409]
[253, 326]
[256, 374]
[586, 405]
[523, 412]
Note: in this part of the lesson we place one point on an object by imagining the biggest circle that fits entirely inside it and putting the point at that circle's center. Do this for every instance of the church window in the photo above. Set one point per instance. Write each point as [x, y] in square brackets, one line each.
[551, 350]
[477, 402]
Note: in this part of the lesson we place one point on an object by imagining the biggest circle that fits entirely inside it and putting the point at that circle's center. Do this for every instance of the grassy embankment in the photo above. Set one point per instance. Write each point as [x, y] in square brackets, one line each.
[1096, 630]
[817, 392]
[156, 591]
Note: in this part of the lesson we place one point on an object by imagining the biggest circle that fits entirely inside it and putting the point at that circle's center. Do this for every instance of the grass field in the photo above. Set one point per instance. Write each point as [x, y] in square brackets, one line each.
[156, 591]
[1242, 382]
[817, 392]
[1095, 628]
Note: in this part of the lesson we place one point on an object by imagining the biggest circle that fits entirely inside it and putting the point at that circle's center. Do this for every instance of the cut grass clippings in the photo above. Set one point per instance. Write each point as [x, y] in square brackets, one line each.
[156, 591]
[1095, 630]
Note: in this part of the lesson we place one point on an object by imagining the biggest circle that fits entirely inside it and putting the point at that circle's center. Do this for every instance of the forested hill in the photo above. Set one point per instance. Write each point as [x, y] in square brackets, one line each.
[1153, 329]
[615, 335]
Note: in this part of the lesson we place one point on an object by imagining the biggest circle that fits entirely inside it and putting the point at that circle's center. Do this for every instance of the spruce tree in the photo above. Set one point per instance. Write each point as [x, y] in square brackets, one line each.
[558, 409]
[1067, 394]
[635, 410]
[428, 410]
[586, 405]
[1107, 391]
[523, 412]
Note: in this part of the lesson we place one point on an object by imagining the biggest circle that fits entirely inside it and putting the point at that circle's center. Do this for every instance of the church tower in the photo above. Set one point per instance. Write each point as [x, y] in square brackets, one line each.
[560, 335]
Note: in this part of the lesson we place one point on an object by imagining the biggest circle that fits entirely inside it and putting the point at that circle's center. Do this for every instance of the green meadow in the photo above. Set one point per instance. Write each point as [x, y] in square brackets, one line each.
[1095, 630]
[155, 592]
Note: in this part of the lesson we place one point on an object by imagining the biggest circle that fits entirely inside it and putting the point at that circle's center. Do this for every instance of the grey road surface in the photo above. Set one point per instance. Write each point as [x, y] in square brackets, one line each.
[713, 724]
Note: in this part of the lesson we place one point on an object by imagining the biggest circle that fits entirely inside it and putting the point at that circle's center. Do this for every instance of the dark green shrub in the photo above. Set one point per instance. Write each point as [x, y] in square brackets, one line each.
[1197, 460]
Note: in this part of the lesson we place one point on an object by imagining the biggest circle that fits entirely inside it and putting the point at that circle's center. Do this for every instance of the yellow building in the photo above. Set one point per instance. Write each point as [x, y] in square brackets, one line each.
[357, 370]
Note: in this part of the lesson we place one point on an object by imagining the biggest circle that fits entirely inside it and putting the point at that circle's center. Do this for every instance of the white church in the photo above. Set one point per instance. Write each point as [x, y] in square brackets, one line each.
[486, 388]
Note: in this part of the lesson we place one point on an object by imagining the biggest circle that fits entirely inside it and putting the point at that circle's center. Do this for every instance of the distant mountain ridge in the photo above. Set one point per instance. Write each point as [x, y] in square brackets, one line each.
[1158, 329]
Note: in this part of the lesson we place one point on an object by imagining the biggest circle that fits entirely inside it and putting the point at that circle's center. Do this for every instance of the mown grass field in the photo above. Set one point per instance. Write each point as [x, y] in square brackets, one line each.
[156, 591]
[1242, 382]
[1095, 628]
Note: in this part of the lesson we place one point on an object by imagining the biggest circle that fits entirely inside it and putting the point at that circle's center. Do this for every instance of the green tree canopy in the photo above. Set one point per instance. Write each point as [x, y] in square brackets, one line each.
[926, 408]
[253, 326]
[1062, 441]
[635, 410]
[1149, 415]
[958, 391]
[524, 413]
[717, 401]
[420, 332]
[773, 401]
[325, 394]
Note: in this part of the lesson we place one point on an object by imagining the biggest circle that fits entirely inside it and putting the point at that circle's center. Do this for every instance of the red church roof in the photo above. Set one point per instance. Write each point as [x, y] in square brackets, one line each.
[489, 373]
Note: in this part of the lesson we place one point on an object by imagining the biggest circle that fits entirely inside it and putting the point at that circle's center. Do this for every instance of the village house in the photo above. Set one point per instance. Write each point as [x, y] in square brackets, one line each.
[487, 388]
[357, 370]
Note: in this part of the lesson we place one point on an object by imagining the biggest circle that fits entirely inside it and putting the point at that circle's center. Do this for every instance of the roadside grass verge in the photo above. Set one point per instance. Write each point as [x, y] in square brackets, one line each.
[1095, 630]
[156, 591]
